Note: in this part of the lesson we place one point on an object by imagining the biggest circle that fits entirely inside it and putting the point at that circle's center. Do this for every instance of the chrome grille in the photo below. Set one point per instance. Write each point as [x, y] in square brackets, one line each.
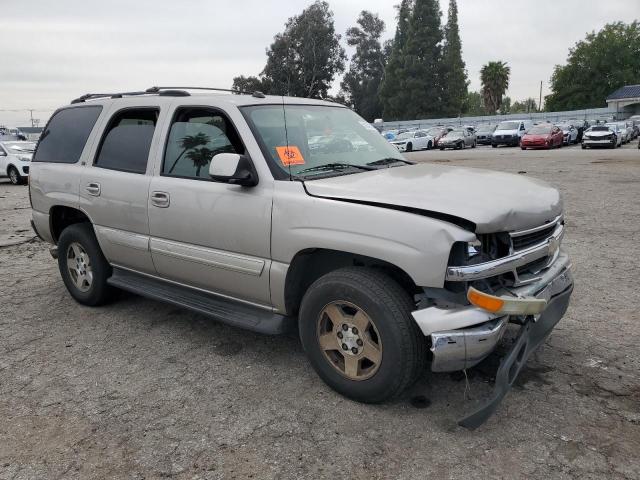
[529, 239]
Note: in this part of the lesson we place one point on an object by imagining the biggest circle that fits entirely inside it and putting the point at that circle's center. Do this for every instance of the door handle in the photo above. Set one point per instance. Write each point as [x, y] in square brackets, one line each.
[160, 199]
[93, 189]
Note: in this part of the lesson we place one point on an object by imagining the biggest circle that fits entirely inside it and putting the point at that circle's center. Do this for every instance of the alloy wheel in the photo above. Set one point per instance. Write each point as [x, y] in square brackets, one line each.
[349, 340]
[79, 267]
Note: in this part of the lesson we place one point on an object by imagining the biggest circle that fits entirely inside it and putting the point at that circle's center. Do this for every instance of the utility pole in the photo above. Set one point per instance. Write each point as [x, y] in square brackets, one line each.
[540, 100]
[31, 113]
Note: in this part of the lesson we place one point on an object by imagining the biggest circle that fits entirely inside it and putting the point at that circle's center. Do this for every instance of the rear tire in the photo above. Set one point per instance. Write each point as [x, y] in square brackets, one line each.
[82, 265]
[494, 145]
[369, 313]
[429, 146]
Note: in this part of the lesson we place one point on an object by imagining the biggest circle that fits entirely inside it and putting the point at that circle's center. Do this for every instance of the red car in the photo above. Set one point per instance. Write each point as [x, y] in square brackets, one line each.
[542, 136]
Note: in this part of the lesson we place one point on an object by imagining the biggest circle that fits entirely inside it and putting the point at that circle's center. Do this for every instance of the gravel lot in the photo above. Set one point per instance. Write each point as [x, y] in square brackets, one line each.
[139, 389]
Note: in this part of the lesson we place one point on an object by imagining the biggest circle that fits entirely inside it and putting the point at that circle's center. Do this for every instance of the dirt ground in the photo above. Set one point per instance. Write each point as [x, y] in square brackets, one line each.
[139, 389]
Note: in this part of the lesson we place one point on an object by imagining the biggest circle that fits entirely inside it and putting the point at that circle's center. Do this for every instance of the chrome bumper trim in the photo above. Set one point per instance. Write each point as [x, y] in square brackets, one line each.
[509, 263]
[461, 349]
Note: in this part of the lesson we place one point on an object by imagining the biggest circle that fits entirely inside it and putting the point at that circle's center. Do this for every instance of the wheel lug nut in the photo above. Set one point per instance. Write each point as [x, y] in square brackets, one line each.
[344, 346]
[340, 335]
[354, 330]
[345, 327]
[359, 342]
[354, 350]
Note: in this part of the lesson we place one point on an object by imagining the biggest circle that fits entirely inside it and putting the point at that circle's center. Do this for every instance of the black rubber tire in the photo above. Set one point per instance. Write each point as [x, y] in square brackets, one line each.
[429, 145]
[494, 145]
[474, 145]
[523, 148]
[100, 292]
[409, 147]
[389, 307]
[19, 180]
[584, 147]
[442, 149]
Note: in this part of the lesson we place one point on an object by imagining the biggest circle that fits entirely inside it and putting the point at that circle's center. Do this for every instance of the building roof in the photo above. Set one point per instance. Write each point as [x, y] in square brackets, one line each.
[628, 91]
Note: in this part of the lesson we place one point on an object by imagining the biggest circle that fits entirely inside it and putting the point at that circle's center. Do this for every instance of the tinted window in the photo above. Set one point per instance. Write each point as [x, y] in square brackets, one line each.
[64, 137]
[126, 142]
[196, 135]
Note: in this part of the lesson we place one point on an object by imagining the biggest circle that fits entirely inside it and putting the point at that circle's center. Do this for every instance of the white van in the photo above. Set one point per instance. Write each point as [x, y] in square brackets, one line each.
[510, 132]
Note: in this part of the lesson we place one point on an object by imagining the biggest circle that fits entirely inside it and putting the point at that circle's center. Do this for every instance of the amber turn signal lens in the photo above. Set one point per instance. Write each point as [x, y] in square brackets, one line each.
[482, 300]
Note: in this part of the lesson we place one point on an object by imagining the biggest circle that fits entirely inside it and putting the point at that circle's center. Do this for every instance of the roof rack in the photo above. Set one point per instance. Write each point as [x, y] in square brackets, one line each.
[159, 90]
[163, 91]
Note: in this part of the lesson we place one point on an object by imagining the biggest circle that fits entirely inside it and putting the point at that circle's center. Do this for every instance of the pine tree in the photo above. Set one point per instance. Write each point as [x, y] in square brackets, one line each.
[454, 75]
[362, 82]
[420, 74]
[392, 96]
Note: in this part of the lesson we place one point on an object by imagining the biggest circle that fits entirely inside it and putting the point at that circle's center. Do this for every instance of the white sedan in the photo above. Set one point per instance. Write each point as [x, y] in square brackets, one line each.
[410, 141]
[569, 133]
[15, 158]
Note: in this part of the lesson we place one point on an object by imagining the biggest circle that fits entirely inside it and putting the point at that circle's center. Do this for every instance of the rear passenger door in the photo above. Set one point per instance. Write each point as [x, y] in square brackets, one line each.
[115, 188]
[204, 234]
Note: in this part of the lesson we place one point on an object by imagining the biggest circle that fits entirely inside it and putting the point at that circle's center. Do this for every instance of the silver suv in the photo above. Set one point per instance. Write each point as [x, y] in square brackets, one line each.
[269, 212]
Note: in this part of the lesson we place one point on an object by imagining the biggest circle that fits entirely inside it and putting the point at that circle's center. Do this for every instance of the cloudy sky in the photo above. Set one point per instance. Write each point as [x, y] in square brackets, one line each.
[53, 51]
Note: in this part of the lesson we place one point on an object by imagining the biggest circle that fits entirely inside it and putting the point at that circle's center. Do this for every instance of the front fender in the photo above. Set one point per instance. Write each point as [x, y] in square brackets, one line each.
[417, 244]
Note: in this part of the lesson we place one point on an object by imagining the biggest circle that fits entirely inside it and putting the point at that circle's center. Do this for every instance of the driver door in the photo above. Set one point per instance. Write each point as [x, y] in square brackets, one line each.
[204, 234]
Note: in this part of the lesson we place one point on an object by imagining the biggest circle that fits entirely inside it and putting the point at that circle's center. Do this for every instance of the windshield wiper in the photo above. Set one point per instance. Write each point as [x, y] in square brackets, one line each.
[335, 166]
[388, 160]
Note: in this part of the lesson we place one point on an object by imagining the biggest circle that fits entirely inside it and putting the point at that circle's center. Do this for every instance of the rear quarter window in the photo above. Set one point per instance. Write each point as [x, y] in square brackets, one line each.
[66, 134]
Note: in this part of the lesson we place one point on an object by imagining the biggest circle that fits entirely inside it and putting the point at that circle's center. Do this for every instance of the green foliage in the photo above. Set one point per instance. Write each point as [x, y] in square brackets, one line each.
[505, 106]
[494, 77]
[392, 94]
[596, 67]
[526, 106]
[416, 92]
[250, 84]
[362, 81]
[303, 60]
[454, 75]
[474, 105]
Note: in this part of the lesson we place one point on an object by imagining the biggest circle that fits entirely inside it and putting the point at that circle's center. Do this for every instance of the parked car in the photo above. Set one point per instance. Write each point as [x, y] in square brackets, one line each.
[377, 260]
[485, 134]
[624, 131]
[569, 133]
[543, 136]
[601, 136]
[437, 133]
[458, 138]
[619, 132]
[15, 159]
[416, 140]
[510, 132]
[11, 133]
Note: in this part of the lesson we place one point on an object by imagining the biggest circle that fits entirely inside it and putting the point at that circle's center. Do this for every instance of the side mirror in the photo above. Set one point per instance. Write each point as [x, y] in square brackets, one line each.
[2, 154]
[234, 169]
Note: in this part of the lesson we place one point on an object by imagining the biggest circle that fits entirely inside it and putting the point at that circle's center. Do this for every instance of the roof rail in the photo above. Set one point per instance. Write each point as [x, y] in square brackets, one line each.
[159, 90]
[93, 96]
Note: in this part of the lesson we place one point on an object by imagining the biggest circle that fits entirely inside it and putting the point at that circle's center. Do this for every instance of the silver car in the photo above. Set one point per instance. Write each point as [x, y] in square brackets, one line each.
[458, 139]
[268, 213]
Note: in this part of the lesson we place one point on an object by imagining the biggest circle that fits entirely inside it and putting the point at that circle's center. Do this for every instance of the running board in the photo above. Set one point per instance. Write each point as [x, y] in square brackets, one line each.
[224, 310]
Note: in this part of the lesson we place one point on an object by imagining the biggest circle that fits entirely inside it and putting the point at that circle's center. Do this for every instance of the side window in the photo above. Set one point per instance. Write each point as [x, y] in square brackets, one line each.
[195, 136]
[126, 141]
[65, 135]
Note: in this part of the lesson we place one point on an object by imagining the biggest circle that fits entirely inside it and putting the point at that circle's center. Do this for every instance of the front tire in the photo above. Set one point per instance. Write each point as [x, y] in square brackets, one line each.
[82, 265]
[357, 331]
[409, 147]
[14, 176]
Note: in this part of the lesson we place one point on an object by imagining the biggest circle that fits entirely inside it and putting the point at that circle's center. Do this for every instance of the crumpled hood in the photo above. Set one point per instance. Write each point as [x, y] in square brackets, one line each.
[493, 201]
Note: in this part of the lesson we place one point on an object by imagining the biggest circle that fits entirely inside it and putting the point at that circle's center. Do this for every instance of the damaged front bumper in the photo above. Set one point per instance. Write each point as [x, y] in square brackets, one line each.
[462, 337]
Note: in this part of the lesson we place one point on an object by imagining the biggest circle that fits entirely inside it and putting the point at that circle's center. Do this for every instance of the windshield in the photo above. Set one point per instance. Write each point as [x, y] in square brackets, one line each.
[487, 128]
[540, 130]
[455, 133]
[508, 126]
[434, 132]
[612, 126]
[316, 136]
[599, 129]
[20, 147]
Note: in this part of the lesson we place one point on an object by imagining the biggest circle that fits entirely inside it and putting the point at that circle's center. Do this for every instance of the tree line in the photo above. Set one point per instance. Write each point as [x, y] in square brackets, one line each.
[420, 73]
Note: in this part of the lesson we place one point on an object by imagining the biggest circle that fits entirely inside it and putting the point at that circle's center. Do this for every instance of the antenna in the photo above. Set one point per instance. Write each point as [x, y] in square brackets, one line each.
[286, 134]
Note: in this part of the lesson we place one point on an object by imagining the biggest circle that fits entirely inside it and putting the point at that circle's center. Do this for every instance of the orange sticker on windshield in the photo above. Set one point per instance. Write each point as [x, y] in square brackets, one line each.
[290, 156]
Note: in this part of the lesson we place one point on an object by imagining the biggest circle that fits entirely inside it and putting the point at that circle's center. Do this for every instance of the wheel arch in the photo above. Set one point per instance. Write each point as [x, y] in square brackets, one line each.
[61, 216]
[310, 264]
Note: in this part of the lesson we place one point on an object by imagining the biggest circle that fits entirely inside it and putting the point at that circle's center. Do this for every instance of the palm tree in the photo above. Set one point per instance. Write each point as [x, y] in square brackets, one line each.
[495, 81]
[200, 158]
[189, 142]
